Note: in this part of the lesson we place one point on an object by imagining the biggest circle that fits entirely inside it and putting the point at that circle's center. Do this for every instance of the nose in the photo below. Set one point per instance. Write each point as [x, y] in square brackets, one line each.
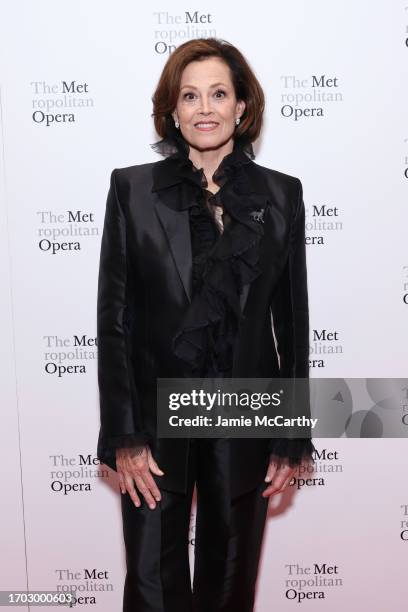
[206, 106]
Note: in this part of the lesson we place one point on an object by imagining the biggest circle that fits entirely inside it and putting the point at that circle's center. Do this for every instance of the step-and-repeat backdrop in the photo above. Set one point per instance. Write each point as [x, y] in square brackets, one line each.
[76, 86]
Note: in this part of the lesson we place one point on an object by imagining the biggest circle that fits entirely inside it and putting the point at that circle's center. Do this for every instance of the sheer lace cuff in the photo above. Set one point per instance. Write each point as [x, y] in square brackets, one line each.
[295, 450]
[135, 440]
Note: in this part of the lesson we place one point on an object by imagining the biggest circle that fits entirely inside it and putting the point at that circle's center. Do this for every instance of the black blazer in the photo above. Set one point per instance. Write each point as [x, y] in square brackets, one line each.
[144, 289]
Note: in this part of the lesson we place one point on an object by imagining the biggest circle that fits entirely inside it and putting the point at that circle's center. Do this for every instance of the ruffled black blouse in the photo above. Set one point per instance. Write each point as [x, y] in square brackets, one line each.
[223, 261]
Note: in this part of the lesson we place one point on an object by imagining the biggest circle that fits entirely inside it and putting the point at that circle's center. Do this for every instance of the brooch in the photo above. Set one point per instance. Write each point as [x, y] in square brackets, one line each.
[257, 215]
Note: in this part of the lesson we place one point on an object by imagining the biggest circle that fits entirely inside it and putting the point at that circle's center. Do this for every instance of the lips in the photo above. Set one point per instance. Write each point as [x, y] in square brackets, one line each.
[206, 125]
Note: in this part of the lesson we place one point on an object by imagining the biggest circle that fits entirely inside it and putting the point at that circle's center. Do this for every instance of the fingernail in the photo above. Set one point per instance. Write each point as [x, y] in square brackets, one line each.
[157, 498]
[152, 506]
[268, 479]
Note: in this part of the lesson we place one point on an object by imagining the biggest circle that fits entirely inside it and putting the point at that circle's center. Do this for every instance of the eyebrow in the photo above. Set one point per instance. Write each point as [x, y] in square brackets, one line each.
[213, 85]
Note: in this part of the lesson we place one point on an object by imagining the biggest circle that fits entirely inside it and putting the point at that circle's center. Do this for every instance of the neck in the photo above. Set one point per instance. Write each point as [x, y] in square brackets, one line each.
[210, 159]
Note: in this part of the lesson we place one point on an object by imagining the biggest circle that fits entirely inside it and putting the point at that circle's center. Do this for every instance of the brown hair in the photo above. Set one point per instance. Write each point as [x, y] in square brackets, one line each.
[246, 85]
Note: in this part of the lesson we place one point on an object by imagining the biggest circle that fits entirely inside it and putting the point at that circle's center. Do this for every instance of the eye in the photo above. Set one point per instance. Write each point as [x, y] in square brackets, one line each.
[189, 93]
[220, 91]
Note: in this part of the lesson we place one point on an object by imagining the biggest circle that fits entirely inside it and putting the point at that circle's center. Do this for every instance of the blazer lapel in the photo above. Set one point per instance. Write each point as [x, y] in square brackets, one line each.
[175, 223]
[176, 226]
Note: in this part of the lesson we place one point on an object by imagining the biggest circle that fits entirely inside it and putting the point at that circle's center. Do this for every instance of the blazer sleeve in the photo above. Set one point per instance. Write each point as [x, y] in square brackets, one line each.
[290, 313]
[120, 419]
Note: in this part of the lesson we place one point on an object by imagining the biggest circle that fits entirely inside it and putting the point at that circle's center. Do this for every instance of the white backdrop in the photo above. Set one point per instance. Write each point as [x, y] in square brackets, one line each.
[335, 79]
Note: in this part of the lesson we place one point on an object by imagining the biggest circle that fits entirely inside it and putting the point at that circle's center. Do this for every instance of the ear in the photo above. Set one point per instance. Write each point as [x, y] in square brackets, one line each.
[240, 107]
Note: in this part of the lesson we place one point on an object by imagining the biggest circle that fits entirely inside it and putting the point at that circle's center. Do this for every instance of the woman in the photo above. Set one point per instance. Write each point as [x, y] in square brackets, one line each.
[202, 263]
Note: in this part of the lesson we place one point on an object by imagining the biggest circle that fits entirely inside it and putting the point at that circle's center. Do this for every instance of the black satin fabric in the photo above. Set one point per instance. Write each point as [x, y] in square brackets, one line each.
[227, 545]
[145, 290]
[222, 262]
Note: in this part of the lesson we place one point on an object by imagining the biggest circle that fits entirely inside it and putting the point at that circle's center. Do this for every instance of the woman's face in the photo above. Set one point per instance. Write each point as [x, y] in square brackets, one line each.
[207, 106]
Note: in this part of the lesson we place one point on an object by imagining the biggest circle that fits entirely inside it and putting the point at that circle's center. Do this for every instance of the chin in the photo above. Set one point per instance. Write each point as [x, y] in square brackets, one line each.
[209, 143]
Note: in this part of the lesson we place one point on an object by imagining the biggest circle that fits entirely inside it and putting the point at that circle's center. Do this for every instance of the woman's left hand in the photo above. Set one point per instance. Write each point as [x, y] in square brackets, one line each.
[279, 474]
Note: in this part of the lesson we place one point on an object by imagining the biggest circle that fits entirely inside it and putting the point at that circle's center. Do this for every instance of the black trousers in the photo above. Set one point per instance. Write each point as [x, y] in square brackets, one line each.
[228, 538]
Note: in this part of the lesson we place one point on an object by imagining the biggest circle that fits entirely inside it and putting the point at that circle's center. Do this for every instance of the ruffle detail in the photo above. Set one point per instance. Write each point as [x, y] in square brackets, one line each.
[295, 450]
[206, 340]
[204, 233]
[222, 263]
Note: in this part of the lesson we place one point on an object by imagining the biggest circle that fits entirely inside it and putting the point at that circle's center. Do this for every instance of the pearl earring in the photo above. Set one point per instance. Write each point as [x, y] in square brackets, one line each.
[237, 120]
[176, 123]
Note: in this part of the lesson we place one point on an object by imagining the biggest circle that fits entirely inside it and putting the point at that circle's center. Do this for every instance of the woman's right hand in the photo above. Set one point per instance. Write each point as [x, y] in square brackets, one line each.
[133, 467]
